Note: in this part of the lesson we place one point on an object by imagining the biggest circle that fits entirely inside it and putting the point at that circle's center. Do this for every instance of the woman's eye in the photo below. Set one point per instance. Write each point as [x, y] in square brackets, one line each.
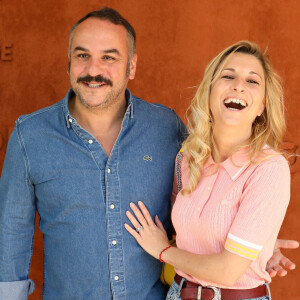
[227, 77]
[253, 81]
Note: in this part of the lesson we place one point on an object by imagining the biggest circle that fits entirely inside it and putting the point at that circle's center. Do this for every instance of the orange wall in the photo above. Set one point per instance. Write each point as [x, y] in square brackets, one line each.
[175, 40]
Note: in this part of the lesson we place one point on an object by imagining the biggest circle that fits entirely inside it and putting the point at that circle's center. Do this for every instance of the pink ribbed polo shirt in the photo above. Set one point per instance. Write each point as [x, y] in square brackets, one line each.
[240, 208]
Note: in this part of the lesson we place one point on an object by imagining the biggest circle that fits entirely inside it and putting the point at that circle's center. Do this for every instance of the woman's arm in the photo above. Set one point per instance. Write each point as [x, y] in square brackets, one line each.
[224, 268]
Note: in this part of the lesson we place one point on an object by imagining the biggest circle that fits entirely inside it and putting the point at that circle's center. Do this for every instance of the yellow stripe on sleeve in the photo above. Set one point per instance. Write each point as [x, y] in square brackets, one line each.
[240, 252]
[241, 247]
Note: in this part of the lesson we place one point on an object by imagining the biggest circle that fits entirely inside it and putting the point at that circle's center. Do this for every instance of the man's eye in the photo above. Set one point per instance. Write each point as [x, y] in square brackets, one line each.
[108, 57]
[82, 55]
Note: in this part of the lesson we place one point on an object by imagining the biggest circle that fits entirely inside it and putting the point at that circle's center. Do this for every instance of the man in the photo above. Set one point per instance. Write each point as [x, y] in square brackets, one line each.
[80, 163]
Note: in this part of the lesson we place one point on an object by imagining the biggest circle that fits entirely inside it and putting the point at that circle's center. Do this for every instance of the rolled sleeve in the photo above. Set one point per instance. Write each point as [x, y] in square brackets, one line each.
[16, 290]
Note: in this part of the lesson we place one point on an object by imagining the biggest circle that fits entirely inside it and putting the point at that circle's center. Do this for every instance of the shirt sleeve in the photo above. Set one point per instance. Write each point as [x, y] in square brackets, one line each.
[262, 208]
[17, 220]
[16, 290]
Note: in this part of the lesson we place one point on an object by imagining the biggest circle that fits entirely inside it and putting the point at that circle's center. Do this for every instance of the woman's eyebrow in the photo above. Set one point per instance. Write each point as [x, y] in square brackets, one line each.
[233, 70]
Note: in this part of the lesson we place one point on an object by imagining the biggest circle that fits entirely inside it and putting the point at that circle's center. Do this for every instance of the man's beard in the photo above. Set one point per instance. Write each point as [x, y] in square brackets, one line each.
[110, 98]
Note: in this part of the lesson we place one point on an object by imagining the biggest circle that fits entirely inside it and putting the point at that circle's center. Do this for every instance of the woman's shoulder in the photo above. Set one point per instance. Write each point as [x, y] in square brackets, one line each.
[270, 155]
[272, 161]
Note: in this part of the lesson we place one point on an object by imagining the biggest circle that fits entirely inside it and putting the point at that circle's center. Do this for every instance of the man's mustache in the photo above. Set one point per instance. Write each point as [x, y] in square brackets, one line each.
[98, 78]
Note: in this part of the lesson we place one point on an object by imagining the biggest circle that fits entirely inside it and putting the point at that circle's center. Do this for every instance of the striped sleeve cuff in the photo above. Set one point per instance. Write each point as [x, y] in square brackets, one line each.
[241, 247]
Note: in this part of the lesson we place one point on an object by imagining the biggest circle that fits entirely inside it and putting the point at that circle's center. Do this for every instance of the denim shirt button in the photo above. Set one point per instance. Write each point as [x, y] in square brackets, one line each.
[112, 206]
[108, 171]
[90, 141]
[70, 120]
[114, 242]
[116, 278]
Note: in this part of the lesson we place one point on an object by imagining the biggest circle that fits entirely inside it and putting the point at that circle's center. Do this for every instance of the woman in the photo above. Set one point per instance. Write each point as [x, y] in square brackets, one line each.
[235, 183]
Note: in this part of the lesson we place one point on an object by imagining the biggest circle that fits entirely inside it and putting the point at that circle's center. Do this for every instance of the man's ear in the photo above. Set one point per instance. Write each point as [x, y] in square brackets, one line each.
[132, 67]
[69, 66]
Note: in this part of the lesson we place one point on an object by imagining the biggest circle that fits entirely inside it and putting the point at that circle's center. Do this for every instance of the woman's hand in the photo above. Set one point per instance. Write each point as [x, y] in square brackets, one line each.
[151, 236]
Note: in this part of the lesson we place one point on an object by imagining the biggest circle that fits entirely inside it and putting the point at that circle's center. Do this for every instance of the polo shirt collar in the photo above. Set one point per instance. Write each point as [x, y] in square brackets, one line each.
[237, 163]
[234, 165]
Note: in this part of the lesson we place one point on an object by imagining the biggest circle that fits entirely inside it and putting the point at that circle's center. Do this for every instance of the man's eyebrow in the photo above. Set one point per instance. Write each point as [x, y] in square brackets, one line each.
[233, 70]
[112, 50]
[106, 51]
[79, 48]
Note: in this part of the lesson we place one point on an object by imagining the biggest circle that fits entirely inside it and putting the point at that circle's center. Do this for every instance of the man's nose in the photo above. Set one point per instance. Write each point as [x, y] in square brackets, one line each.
[95, 67]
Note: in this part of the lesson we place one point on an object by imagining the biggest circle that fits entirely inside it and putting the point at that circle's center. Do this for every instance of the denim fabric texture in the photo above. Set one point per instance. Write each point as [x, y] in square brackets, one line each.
[55, 166]
[174, 292]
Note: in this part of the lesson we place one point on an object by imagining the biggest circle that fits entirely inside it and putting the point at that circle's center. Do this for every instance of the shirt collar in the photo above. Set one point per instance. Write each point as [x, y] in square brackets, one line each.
[129, 97]
[234, 165]
[69, 119]
[237, 163]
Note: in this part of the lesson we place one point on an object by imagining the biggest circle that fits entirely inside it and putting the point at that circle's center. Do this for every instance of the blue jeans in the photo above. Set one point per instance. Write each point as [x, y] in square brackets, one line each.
[174, 292]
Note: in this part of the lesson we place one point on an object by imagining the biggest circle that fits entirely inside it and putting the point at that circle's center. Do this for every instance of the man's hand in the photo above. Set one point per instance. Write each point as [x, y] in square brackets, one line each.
[278, 262]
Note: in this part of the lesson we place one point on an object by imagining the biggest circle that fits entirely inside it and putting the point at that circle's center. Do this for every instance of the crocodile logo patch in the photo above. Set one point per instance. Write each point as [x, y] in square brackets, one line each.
[147, 158]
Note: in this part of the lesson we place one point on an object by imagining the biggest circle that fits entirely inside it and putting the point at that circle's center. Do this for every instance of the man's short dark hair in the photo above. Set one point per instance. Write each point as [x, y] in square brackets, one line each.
[111, 15]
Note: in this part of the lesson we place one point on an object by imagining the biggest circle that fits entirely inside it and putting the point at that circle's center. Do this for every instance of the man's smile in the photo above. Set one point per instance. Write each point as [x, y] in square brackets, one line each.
[95, 81]
[94, 85]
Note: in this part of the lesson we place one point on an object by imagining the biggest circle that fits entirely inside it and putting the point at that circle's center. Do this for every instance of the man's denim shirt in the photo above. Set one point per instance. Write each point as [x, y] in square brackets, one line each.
[56, 167]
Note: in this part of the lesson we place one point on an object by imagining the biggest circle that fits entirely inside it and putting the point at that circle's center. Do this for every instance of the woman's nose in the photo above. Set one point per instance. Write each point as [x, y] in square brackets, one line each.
[238, 85]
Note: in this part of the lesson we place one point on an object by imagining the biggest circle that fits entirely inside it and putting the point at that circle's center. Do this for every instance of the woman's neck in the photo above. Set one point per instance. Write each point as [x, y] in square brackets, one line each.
[228, 139]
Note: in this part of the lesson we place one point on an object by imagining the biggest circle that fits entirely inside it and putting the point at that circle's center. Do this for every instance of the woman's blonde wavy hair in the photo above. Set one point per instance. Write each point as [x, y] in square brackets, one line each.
[268, 128]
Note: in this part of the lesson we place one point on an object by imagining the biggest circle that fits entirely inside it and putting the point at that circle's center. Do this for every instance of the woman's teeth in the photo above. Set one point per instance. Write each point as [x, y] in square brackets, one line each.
[234, 103]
